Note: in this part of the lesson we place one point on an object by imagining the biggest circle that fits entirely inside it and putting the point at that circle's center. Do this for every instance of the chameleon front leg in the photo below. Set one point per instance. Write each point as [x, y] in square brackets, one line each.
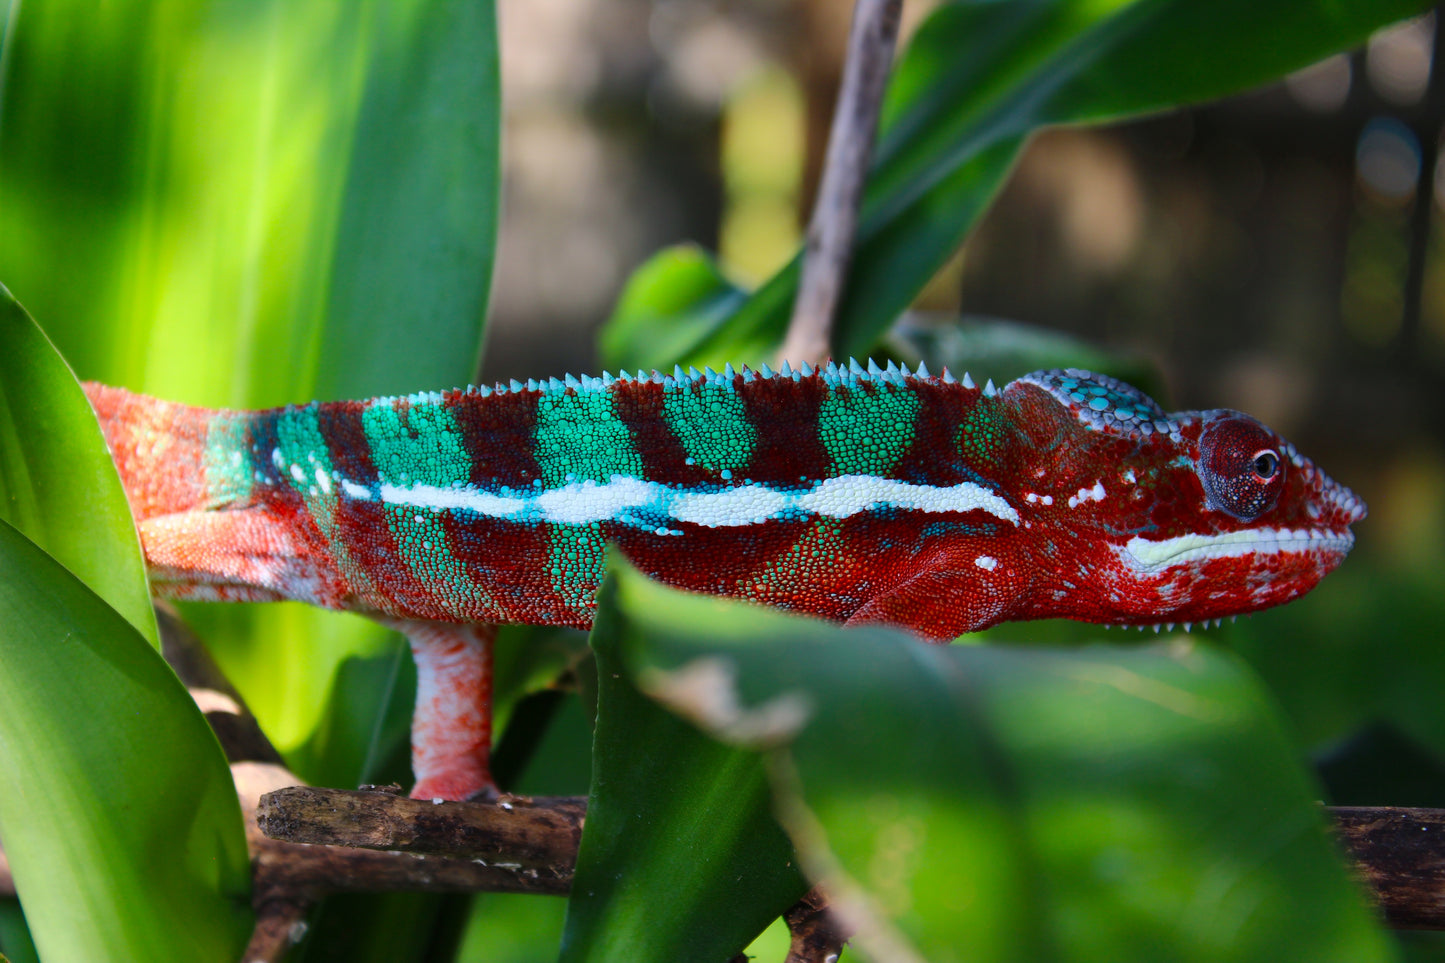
[451, 730]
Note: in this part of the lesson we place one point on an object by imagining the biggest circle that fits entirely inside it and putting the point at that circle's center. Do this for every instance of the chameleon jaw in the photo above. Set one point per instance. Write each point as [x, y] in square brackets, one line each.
[1150, 557]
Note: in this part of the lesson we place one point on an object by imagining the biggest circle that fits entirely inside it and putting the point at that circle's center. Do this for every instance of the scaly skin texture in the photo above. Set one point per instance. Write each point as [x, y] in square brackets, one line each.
[855, 495]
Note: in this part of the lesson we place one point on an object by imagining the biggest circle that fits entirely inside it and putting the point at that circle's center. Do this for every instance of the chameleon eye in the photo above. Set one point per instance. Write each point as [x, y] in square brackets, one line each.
[1266, 463]
[1239, 466]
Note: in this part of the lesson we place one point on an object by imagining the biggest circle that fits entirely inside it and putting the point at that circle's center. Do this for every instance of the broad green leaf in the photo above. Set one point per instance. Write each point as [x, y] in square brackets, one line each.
[680, 858]
[247, 204]
[119, 816]
[251, 204]
[416, 236]
[975, 80]
[981, 803]
[15, 940]
[512, 928]
[57, 483]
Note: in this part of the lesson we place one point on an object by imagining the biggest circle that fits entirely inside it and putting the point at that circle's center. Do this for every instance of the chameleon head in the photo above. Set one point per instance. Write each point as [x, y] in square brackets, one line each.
[1169, 517]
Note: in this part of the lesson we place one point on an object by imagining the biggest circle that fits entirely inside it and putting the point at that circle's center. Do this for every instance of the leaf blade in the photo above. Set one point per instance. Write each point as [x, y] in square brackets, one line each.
[974, 81]
[984, 803]
[113, 834]
[57, 482]
[707, 847]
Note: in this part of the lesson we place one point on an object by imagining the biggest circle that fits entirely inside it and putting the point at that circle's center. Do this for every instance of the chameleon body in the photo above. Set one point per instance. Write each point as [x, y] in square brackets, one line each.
[857, 495]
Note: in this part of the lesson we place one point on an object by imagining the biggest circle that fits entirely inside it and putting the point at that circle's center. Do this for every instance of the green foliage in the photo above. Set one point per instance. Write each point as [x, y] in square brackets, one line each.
[109, 831]
[258, 203]
[57, 483]
[673, 819]
[245, 204]
[113, 834]
[964, 96]
[991, 803]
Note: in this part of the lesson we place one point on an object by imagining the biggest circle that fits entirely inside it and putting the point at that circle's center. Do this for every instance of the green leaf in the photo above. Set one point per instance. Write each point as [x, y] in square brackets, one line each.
[669, 303]
[120, 819]
[981, 803]
[674, 821]
[15, 939]
[975, 80]
[248, 204]
[57, 482]
[417, 233]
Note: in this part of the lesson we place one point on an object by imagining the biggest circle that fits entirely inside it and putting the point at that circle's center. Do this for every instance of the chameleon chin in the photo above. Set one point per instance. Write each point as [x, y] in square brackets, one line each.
[861, 495]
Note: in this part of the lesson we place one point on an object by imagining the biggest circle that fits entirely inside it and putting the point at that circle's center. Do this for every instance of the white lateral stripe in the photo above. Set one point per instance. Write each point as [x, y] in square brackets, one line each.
[731, 507]
[453, 499]
[580, 503]
[1142, 554]
[851, 494]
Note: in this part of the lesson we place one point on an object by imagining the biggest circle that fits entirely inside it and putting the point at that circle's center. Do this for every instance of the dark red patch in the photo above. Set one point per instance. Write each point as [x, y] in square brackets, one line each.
[785, 414]
[362, 528]
[933, 458]
[346, 444]
[498, 433]
[511, 562]
[639, 405]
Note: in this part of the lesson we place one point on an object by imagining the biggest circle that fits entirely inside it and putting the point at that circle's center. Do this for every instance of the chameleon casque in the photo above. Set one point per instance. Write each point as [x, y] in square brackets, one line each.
[858, 495]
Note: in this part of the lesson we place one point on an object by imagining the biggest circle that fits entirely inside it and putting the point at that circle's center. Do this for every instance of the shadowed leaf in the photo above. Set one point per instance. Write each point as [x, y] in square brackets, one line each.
[976, 803]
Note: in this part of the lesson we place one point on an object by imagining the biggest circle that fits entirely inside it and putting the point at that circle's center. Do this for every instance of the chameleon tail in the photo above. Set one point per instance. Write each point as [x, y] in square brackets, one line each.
[159, 448]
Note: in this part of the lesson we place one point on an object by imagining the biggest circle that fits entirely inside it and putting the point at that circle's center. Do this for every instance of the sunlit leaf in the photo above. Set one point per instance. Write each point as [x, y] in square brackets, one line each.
[252, 204]
[119, 816]
[57, 483]
[416, 236]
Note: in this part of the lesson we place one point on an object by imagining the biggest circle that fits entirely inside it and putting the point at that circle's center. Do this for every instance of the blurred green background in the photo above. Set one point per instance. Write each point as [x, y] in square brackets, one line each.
[197, 200]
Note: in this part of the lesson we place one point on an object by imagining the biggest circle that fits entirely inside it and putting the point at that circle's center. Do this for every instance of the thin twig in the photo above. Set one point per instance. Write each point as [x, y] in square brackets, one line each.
[835, 212]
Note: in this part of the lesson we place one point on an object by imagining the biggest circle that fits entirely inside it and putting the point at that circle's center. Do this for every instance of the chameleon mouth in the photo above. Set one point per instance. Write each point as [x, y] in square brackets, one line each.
[1148, 556]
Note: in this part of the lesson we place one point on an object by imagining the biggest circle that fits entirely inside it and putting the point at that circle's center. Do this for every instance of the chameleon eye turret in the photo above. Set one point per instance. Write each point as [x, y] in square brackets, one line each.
[1239, 466]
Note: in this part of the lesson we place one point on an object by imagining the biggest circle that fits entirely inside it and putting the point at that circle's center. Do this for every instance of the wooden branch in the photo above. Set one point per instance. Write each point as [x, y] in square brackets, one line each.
[517, 831]
[818, 935]
[835, 212]
[1401, 854]
[289, 869]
